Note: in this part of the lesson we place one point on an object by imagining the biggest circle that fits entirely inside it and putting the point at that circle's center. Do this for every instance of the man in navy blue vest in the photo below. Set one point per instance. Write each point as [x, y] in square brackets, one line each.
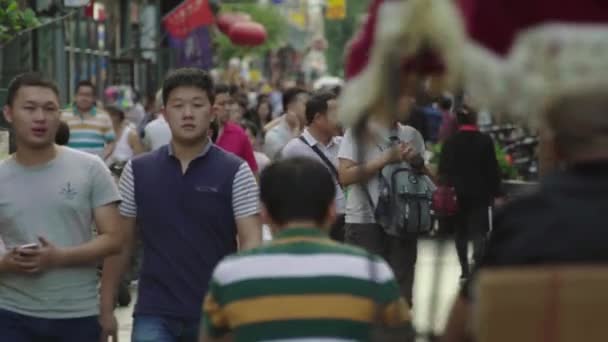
[191, 201]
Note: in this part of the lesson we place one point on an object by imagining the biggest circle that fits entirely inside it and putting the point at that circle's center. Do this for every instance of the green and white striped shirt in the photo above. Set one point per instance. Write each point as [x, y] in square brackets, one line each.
[302, 287]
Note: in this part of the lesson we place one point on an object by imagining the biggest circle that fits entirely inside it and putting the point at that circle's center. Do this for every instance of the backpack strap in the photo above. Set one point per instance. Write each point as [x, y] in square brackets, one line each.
[326, 161]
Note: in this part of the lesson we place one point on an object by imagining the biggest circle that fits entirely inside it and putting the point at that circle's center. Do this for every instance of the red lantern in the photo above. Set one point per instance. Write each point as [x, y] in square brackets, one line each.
[247, 33]
[226, 20]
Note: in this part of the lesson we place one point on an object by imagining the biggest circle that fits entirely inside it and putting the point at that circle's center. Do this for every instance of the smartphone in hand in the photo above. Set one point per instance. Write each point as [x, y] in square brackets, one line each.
[27, 246]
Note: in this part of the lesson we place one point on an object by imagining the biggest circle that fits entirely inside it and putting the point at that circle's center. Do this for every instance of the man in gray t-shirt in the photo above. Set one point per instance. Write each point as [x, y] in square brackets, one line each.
[359, 170]
[50, 196]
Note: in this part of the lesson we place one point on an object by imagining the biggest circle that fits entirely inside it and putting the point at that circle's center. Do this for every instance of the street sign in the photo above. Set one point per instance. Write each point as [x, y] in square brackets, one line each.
[335, 10]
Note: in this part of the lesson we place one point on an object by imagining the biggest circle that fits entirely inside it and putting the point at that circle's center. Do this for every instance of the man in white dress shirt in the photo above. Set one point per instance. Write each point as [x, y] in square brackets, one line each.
[320, 141]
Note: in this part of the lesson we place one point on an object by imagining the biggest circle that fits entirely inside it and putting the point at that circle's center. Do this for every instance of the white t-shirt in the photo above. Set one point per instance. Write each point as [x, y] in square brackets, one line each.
[157, 133]
[358, 209]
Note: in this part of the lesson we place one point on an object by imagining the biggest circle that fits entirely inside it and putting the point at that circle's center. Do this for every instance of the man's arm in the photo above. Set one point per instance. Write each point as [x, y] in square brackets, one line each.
[108, 242]
[248, 155]
[114, 267]
[249, 230]
[245, 206]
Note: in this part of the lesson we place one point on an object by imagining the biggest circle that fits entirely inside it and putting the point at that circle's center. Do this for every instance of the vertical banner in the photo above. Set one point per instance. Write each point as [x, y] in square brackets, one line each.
[194, 50]
[336, 10]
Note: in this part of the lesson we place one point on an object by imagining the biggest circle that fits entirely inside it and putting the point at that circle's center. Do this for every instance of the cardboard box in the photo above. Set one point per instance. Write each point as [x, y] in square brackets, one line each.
[548, 304]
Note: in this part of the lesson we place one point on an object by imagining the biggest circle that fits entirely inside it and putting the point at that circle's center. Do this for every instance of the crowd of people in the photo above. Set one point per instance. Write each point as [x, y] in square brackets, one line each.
[210, 173]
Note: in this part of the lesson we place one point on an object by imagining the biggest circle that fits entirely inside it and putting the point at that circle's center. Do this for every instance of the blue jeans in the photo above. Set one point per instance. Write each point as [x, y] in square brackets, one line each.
[15, 327]
[147, 328]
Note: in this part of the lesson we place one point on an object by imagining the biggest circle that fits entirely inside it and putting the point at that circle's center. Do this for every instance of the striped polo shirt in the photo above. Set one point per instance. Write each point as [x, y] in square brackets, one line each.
[302, 287]
[90, 134]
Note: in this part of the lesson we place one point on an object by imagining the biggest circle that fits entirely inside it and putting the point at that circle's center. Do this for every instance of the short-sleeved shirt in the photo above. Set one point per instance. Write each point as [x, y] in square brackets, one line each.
[358, 209]
[297, 148]
[301, 286]
[276, 138]
[244, 190]
[235, 140]
[56, 201]
[89, 134]
[157, 133]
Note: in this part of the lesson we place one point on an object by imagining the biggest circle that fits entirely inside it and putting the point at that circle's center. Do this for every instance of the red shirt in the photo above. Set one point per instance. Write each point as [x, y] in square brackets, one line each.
[235, 140]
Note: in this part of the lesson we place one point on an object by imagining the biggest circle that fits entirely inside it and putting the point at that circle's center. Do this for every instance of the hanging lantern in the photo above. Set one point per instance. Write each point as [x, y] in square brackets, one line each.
[247, 33]
[226, 20]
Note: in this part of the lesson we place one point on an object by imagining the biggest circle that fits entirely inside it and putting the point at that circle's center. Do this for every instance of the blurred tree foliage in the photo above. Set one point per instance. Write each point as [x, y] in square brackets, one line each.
[339, 32]
[13, 20]
[268, 16]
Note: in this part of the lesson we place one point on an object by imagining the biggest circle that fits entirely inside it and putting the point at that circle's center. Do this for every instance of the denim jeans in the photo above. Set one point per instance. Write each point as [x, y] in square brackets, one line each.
[15, 327]
[148, 328]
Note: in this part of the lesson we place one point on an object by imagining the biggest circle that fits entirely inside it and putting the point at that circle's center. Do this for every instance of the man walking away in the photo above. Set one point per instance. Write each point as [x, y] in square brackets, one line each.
[468, 163]
[50, 196]
[191, 201]
[301, 286]
[320, 141]
[90, 128]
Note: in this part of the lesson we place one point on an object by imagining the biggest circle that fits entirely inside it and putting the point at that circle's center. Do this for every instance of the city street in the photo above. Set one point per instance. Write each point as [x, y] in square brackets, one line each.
[425, 271]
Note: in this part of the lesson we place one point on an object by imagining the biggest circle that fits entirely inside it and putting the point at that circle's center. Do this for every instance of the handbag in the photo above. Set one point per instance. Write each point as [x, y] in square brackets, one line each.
[445, 201]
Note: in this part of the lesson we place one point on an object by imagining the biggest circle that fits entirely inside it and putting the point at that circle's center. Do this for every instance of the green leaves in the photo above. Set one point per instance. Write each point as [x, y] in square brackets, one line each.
[13, 20]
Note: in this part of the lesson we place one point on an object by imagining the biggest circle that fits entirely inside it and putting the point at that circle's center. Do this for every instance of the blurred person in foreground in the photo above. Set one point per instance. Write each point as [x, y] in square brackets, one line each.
[301, 286]
[564, 221]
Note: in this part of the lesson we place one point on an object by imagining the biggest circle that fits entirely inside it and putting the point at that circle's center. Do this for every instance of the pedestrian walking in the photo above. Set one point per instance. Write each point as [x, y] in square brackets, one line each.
[320, 141]
[468, 164]
[230, 136]
[289, 125]
[50, 196]
[363, 179]
[194, 204]
[90, 128]
[302, 286]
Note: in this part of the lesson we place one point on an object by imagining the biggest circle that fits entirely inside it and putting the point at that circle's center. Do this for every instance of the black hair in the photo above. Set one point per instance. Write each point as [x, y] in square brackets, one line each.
[249, 125]
[297, 189]
[29, 80]
[317, 104]
[445, 103]
[188, 77]
[290, 96]
[465, 115]
[222, 88]
[62, 137]
[114, 109]
[85, 83]
[262, 99]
